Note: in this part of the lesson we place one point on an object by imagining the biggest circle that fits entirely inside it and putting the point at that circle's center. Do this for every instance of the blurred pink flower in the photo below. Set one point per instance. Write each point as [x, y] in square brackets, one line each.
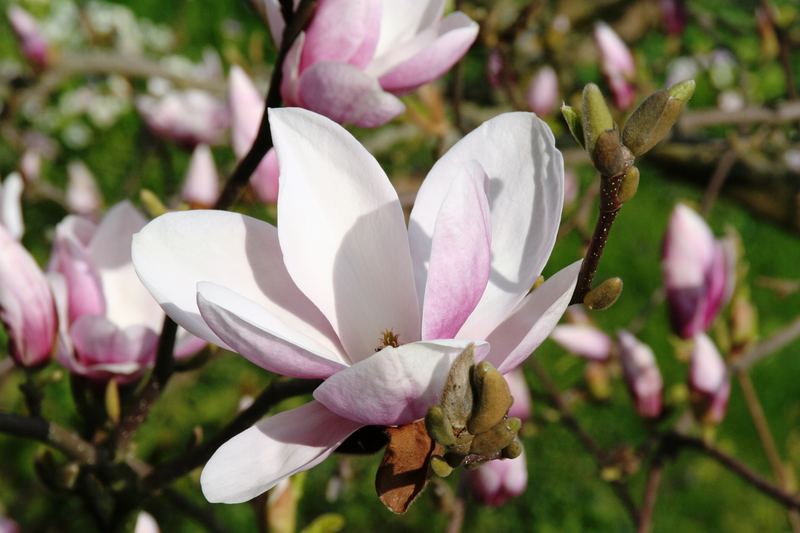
[32, 41]
[26, 304]
[83, 196]
[617, 64]
[709, 381]
[341, 278]
[543, 91]
[109, 323]
[246, 105]
[188, 117]
[10, 205]
[494, 68]
[201, 185]
[673, 14]
[30, 165]
[585, 340]
[496, 482]
[641, 374]
[571, 187]
[521, 408]
[8, 526]
[698, 272]
[357, 54]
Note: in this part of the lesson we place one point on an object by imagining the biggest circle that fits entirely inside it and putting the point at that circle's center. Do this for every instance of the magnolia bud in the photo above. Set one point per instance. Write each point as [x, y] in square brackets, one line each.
[709, 381]
[629, 185]
[584, 340]
[595, 116]
[8, 526]
[604, 295]
[641, 374]
[543, 91]
[32, 41]
[654, 117]
[201, 186]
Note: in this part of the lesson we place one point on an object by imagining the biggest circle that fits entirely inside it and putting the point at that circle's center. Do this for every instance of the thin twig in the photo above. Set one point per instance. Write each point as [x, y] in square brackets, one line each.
[784, 113]
[721, 173]
[49, 433]
[651, 493]
[779, 340]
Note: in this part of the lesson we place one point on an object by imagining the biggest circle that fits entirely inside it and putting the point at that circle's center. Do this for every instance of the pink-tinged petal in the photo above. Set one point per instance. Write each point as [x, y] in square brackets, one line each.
[10, 205]
[187, 344]
[533, 321]
[543, 91]
[526, 181]
[521, 408]
[263, 338]
[104, 351]
[265, 179]
[496, 482]
[291, 72]
[177, 250]
[347, 95]
[396, 385]
[584, 340]
[342, 232]
[455, 34]
[709, 380]
[615, 56]
[460, 255]
[127, 301]
[257, 459]
[145, 523]
[27, 308]
[402, 21]
[717, 279]
[342, 31]
[83, 195]
[642, 375]
[201, 185]
[247, 104]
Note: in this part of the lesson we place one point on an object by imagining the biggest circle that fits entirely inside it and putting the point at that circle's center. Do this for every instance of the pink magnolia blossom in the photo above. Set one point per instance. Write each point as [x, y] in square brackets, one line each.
[641, 374]
[31, 39]
[26, 304]
[246, 105]
[698, 272]
[325, 293]
[585, 340]
[201, 186]
[11, 206]
[496, 482]
[709, 380]
[356, 55]
[543, 91]
[8, 526]
[673, 15]
[188, 117]
[617, 64]
[109, 323]
[83, 195]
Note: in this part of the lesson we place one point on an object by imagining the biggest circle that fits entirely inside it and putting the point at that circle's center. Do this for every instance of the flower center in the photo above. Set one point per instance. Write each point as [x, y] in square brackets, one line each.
[387, 338]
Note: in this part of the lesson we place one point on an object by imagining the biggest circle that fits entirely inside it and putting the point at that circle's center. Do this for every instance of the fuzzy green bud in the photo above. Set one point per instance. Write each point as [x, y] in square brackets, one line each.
[604, 295]
[655, 116]
[629, 185]
[573, 120]
[595, 116]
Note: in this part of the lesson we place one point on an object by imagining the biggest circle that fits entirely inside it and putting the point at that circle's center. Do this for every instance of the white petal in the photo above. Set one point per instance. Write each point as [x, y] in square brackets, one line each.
[342, 231]
[255, 460]
[401, 23]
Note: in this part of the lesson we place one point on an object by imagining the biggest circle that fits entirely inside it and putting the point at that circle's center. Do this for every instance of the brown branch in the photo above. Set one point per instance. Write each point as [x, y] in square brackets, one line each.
[721, 173]
[779, 340]
[782, 114]
[651, 493]
[49, 433]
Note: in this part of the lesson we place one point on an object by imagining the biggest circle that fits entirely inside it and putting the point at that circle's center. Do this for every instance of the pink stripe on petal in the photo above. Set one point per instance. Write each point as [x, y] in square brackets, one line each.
[460, 255]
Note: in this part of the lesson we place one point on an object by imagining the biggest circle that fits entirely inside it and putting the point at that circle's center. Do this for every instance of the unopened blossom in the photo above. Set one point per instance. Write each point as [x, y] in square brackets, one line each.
[201, 185]
[697, 272]
[617, 64]
[496, 482]
[543, 91]
[342, 290]
[494, 68]
[709, 380]
[83, 195]
[246, 105]
[26, 304]
[31, 39]
[673, 15]
[109, 323]
[585, 340]
[188, 117]
[641, 374]
[11, 206]
[145, 523]
[356, 55]
[8, 526]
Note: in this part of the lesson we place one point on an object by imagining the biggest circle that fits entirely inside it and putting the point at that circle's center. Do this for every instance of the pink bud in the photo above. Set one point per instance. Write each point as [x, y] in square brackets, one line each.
[34, 45]
[30, 165]
[521, 408]
[201, 186]
[8, 526]
[83, 196]
[571, 187]
[617, 64]
[709, 381]
[189, 117]
[641, 374]
[543, 91]
[496, 482]
[673, 14]
[10, 205]
[26, 305]
[584, 340]
[697, 272]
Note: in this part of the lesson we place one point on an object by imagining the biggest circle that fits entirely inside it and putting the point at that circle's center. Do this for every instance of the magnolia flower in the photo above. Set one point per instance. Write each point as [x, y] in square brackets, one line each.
[31, 39]
[201, 186]
[641, 374]
[10, 205]
[356, 55]
[246, 105]
[617, 63]
[109, 323]
[26, 304]
[697, 272]
[709, 381]
[496, 482]
[189, 117]
[584, 340]
[340, 290]
[543, 91]
[83, 196]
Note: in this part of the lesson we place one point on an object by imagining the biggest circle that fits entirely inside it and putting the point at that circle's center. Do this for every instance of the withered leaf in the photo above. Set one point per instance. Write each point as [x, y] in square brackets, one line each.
[405, 468]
